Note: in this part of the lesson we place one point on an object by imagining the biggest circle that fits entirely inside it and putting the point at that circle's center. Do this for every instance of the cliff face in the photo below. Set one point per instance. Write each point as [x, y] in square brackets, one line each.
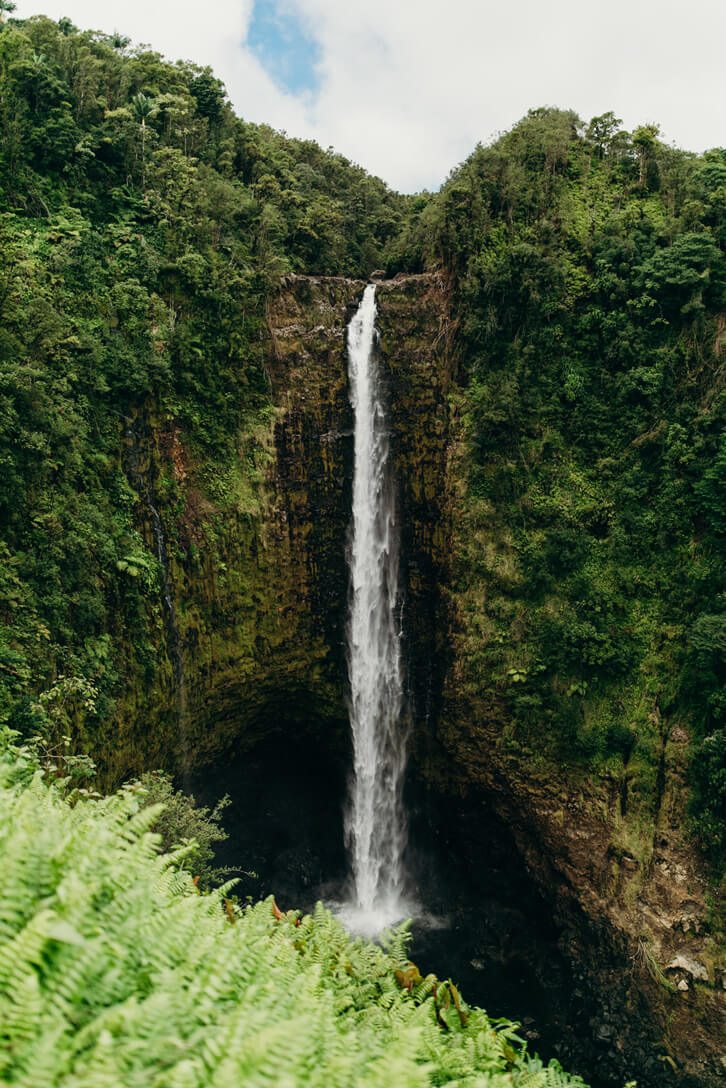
[249, 628]
[251, 639]
[628, 896]
[416, 353]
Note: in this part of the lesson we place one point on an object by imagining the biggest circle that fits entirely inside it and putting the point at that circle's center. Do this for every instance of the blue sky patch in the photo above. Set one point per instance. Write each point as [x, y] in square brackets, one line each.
[283, 47]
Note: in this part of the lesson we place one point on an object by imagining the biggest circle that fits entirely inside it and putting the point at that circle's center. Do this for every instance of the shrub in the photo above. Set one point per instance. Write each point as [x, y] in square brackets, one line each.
[182, 822]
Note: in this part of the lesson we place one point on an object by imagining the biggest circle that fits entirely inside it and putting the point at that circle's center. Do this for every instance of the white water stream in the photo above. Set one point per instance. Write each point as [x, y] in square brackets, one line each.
[375, 820]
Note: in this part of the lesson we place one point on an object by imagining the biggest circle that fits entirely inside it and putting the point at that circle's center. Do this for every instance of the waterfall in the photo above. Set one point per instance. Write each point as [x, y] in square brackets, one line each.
[375, 820]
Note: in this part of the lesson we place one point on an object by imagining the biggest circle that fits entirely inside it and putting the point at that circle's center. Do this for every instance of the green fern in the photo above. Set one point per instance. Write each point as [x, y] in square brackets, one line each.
[115, 970]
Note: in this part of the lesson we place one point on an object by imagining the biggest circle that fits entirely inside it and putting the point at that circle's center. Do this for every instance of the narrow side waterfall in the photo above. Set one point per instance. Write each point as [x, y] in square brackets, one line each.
[375, 820]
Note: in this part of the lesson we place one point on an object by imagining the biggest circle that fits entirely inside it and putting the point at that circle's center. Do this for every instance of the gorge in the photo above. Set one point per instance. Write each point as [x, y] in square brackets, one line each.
[526, 872]
[179, 477]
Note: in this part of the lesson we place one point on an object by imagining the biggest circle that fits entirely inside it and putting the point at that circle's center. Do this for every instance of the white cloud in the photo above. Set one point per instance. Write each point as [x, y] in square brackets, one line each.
[210, 34]
[407, 87]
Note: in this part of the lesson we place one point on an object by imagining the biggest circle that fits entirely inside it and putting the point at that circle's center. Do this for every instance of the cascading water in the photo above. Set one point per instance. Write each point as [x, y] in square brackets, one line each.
[375, 820]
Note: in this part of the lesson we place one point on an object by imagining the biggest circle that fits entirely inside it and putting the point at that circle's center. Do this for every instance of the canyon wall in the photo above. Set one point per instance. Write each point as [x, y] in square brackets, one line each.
[250, 634]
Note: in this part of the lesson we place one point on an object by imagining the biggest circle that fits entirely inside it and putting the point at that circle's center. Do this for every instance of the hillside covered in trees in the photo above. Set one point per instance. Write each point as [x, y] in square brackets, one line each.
[143, 227]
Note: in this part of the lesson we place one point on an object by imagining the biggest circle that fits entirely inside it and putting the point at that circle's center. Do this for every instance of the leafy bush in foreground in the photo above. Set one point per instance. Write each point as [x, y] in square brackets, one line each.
[182, 821]
[114, 970]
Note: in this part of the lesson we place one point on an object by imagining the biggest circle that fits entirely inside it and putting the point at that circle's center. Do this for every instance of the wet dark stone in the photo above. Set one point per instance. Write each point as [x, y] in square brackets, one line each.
[284, 821]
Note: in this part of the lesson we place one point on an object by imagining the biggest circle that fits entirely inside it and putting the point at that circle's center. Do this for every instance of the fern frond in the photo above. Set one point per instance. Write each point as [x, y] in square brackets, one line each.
[114, 970]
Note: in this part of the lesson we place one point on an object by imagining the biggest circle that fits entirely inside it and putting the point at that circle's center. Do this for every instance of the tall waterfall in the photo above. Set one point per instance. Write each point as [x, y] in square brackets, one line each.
[375, 820]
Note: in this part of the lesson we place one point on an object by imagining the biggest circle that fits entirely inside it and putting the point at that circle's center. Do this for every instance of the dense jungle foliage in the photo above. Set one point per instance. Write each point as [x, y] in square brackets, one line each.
[115, 970]
[589, 274]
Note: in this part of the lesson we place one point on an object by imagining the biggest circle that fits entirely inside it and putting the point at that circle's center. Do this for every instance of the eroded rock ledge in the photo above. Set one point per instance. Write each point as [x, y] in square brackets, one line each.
[627, 890]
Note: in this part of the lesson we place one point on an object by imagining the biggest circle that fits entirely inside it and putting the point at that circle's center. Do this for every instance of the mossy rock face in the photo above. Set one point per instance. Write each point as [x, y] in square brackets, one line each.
[248, 627]
[248, 636]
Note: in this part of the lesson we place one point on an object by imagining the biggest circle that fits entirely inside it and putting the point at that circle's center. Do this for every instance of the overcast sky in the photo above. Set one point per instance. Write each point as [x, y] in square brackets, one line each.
[407, 88]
